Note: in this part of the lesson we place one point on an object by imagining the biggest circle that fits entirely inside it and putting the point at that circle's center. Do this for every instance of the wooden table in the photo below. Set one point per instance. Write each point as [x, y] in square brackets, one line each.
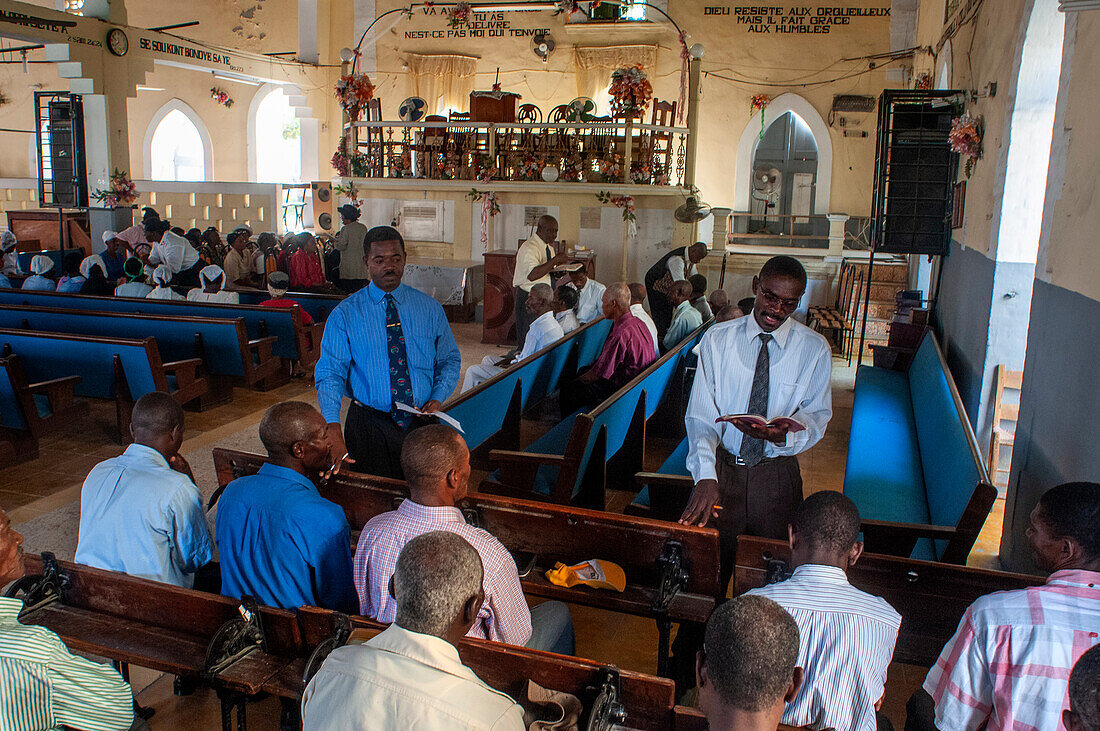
[39, 229]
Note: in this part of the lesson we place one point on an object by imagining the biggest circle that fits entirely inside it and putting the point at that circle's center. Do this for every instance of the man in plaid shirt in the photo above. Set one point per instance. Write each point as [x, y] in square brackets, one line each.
[1008, 665]
[436, 463]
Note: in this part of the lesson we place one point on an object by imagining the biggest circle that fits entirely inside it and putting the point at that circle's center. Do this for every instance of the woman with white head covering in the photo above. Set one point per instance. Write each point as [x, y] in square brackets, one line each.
[162, 278]
[10, 266]
[212, 281]
[40, 266]
[94, 270]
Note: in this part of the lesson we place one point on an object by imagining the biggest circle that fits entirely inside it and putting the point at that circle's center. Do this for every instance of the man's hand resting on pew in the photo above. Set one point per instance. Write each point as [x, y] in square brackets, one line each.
[339, 451]
[703, 504]
[776, 434]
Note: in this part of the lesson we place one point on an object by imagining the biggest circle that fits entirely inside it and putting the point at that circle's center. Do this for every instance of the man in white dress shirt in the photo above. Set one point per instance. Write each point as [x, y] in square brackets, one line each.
[589, 296]
[410, 676]
[847, 636]
[534, 262]
[545, 329]
[685, 318]
[565, 301]
[637, 308]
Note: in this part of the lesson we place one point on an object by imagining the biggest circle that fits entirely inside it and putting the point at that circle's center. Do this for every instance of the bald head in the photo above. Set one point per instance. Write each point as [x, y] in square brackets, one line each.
[547, 229]
[155, 417]
[295, 436]
[679, 292]
[435, 460]
[637, 293]
[616, 300]
[718, 299]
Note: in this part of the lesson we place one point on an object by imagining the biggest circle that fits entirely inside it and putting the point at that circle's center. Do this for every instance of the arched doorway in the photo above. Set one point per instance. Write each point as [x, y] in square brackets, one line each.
[177, 145]
[784, 173]
[275, 138]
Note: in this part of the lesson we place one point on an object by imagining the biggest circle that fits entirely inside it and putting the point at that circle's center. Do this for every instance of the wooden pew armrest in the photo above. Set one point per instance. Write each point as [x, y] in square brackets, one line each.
[263, 344]
[657, 478]
[911, 530]
[54, 386]
[186, 366]
[531, 458]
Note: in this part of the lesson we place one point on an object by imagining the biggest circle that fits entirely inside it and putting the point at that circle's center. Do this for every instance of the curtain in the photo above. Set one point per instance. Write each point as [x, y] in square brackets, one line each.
[595, 64]
[443, 80]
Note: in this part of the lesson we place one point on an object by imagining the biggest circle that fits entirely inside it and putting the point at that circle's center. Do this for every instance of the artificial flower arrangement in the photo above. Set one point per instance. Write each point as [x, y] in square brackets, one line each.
[346, 165]
[530, 169]
[484, 170]
[759, 103]
[630, 91]
[642, 174]
[353, 91]
[572, 170]
[400, 164]
[221, 96]
[121, 191]
[447, 165]
[611, 169]
[966, 139]
[923, 82]
[459, 15]
[349, 191]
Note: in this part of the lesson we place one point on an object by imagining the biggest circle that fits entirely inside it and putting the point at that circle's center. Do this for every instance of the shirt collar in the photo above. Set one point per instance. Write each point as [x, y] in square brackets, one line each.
[443, 513]
[1075, 576]
[546, 316]
[432, 651]
[146, 454]
[10, 609]
[779, 335]
[376, 294]
[821, 572]
[287, 474]
[684, 306]
[536, 239]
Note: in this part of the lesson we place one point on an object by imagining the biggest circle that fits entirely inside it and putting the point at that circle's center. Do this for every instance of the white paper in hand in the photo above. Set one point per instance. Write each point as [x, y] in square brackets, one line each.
[446, 418]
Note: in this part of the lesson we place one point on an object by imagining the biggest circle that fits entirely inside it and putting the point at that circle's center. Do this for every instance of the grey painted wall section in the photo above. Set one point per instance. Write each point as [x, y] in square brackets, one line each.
[1056, 434]
[962, 311]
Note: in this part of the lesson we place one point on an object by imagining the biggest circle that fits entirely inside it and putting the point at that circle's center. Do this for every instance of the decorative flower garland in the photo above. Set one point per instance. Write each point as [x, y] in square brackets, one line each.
[626, 203]
[685, 59]
[121, 192]
[490, 207]
[353, 91]
[221, 96]
[346, 165]
[923, 82]
[759, 103]
[966, 139]
[349, 191]
[459, 15]
[630, 91]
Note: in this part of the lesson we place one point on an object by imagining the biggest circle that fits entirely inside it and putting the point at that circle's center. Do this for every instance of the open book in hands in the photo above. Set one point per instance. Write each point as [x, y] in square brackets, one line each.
[793, 425]
[445, 418]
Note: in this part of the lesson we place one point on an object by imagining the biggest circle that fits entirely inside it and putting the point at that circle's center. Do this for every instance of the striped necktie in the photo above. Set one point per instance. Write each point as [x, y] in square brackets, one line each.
[752, 449]
[400, 379]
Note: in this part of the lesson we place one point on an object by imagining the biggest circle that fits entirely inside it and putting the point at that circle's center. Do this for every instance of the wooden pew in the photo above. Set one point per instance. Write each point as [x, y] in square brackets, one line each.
[158, 626]
[491, 412]
[29, 411]
[930, 596]
[294, 340]
[569, 464]
[221, 343]
[319, 306]
[122, 369]
[671, 569]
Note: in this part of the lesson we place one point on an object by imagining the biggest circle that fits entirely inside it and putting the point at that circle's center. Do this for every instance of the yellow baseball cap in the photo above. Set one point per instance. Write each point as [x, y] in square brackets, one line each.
[595, 572]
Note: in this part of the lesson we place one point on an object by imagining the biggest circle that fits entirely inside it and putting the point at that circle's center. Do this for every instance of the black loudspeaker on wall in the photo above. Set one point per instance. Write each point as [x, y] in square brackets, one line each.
[915, 172]
[62, 170]
[322, 205]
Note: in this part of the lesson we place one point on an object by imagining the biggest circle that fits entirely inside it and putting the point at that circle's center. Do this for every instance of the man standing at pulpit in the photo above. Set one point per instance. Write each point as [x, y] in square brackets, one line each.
[534, 261]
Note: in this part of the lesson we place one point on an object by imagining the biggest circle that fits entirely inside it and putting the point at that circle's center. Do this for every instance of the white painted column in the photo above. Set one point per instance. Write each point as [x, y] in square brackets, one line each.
[836, 236]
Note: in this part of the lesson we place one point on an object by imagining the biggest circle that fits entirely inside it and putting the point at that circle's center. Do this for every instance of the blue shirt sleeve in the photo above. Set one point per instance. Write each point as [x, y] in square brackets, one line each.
[448, 359]
[191, 539]
[333, 583]
[333, 364]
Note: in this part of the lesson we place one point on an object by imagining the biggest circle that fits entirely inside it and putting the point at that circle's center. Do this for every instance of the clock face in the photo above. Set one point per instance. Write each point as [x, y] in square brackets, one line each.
[117, 43]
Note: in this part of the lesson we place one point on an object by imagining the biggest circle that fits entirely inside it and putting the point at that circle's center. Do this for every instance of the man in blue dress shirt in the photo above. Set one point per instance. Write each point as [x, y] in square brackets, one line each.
[384, 345]
[278, 539]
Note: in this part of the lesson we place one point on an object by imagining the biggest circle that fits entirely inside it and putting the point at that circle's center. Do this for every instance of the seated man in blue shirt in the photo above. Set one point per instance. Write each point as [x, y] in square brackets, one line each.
[278, 539]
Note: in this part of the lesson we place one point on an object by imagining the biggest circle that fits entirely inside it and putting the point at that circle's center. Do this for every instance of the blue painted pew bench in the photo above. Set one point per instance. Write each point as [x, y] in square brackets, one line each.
[29, 411]
[575, 461]
[121, 369]
[228, 356]
[913, 467]
[294, 341]
[490, 413]
[319, 306]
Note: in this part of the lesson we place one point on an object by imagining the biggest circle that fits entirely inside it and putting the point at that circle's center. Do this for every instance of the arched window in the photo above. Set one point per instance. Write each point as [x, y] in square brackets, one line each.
[277, 139]
[784, 173]
[177, 145]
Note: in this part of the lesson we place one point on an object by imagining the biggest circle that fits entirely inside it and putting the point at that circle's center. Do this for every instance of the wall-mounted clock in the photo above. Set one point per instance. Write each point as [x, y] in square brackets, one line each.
[117, 42]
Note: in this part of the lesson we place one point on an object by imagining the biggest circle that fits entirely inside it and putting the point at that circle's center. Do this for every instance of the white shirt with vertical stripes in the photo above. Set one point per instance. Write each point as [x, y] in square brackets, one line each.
[845, 642]
[43, 686]
[799, 371]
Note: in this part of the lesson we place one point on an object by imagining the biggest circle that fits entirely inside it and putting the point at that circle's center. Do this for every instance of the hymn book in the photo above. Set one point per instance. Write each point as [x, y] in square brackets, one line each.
[447, 418]
[793, 425]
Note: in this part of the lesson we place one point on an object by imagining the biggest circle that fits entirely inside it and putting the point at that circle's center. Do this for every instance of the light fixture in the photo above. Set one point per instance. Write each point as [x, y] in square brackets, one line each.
[143, 87]
[346, 55]
[697, 51]
[499, 7]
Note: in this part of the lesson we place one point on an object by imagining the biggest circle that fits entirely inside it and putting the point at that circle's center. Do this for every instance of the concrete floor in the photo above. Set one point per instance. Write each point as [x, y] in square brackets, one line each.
[42, 499]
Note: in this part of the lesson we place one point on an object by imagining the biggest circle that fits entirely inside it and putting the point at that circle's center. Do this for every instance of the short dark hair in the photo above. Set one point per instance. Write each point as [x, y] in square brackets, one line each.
[429, 453]
[746, 304]
[1072, 510]
[751, 649]
[828, 520]
[568, 296]
[784, 266]
[155, 225]
[283, 425]
[1084, 688]
[698, 284]
[382, 233]
[193, 235]
[133, 267]
[156, 413]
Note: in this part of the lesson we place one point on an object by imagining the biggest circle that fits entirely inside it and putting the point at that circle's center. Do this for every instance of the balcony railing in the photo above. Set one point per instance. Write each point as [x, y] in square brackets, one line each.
[798, 232]
[594, 152]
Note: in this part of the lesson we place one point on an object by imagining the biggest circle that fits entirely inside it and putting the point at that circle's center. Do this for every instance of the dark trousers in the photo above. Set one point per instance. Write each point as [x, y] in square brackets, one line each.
[374, 441]
[660, 309]
[920, 712]
[756, 501]
[575, 395]
[523, 317]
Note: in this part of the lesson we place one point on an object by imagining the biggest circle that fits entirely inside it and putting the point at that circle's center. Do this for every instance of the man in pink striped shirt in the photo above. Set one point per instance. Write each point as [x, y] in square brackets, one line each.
[1008, 665]
[436, 464]
[627, 352]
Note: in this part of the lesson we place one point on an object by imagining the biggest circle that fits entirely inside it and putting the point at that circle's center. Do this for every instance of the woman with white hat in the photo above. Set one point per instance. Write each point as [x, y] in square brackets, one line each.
[94, 271]
[40, 266]
[212, 281]
[162, 278]
[10, 266]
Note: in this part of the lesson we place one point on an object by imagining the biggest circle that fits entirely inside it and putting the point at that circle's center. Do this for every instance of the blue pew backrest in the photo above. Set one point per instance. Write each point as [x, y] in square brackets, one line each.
[948, 461]
[11, 415]
[317, 305]
[55, 355]
[482, 416]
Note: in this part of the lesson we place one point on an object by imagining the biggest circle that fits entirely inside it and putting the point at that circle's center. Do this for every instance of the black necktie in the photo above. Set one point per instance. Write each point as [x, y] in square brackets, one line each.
[752, 449]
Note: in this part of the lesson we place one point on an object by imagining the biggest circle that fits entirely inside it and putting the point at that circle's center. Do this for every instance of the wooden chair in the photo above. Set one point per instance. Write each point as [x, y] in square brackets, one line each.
[559, 114]
[528, 113]
[660, 143]
[999, 436]
[373, 137]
